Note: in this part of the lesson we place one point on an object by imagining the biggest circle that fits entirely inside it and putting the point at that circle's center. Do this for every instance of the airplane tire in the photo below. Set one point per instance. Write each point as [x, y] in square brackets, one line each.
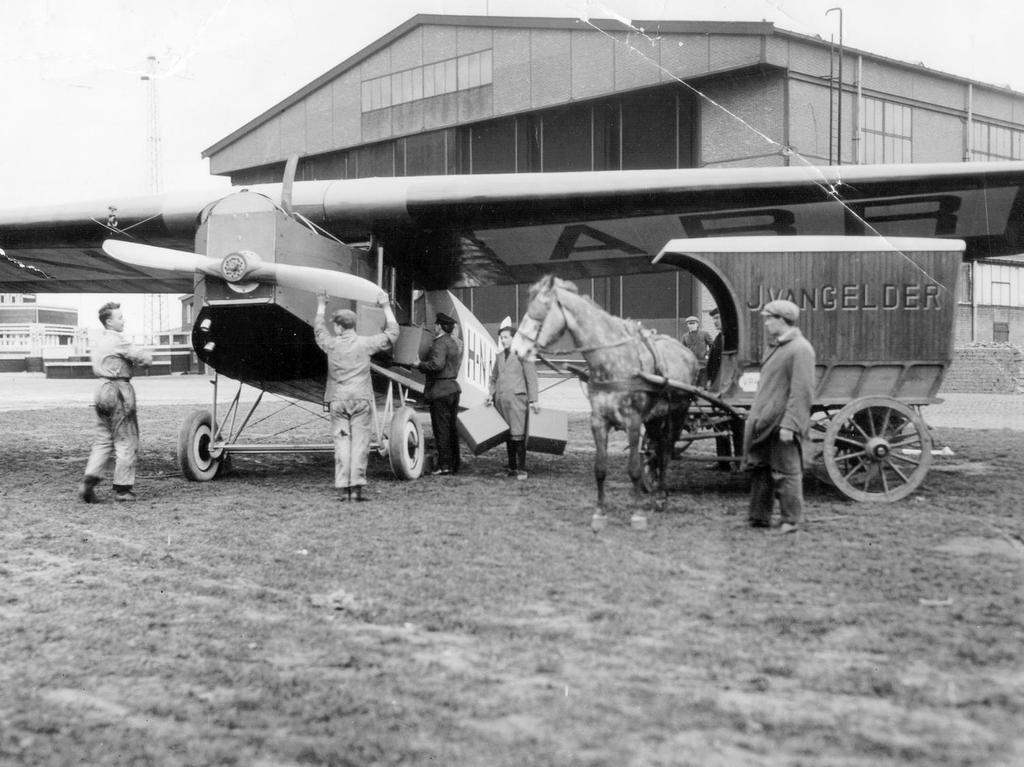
[407, 448]
[197, 461]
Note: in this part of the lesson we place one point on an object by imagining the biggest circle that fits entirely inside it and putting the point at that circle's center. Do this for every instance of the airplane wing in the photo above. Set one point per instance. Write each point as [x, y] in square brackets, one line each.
[454, 231]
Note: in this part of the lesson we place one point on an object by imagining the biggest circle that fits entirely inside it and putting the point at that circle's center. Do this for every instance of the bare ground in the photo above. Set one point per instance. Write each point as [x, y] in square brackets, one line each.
[476, 620]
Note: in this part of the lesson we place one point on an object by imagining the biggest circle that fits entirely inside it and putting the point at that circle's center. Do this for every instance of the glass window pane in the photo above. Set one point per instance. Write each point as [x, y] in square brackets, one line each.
[486, 67]
[396, 87]
[567, 139]
[428, 81]
[494, 146]
[463, 78]
[474, 70]
[367, 95]
[425, 154]
[417, 83]
[649, 130]
[450, 81]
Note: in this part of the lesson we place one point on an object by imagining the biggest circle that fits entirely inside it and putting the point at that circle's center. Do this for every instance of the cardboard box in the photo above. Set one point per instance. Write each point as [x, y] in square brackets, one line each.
[547, 431]
[370, 319]
[412, 345]
[482, 428]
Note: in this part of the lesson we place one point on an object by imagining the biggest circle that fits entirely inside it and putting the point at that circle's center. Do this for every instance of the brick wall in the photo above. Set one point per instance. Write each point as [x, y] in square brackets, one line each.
[986, 367]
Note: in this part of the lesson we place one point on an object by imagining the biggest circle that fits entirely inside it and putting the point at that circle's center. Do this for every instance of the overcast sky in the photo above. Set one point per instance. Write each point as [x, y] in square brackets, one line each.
[73, 110]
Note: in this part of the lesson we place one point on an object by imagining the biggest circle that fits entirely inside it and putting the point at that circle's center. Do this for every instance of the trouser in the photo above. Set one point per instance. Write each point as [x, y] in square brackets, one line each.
[776, 470]
[350, 428]
[443, 412]
[516, 450]
[117, 433]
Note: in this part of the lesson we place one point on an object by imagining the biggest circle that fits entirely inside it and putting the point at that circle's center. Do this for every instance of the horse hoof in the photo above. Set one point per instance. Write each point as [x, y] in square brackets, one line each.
[598, 522]
[638, 522]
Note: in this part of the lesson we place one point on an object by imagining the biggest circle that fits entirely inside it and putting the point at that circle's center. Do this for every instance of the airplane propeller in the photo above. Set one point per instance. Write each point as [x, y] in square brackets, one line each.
[246, 266]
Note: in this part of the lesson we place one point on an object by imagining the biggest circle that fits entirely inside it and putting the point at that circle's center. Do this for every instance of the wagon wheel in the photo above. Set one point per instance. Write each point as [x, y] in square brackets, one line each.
[877, 449]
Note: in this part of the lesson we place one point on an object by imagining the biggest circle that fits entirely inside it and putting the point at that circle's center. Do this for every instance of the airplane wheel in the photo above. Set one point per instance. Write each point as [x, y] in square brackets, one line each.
[197, 460]
[406, 446]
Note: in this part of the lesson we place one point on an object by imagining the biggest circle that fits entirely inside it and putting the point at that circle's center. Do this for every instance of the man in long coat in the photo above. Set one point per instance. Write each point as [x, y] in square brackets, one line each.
[779, 420]
[513, 389]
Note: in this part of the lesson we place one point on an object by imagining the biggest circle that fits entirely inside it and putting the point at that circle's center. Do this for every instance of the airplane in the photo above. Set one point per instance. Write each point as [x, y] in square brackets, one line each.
[254, 256]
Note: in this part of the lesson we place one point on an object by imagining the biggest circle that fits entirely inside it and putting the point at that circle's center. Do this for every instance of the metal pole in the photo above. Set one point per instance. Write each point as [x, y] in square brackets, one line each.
[839, 140]
[831, 96]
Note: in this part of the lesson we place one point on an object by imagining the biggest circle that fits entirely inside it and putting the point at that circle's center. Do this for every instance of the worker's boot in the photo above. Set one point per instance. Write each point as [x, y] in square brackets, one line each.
[86, 488]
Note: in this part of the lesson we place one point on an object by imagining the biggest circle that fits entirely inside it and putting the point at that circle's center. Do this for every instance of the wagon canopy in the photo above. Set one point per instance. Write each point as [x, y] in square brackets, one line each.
[880, 312]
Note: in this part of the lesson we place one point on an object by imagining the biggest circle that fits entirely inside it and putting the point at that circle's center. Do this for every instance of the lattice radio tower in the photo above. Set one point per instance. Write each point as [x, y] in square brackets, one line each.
[155, 309]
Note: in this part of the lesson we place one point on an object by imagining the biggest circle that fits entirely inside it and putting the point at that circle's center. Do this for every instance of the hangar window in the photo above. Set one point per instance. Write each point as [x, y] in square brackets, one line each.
[993, 142]
[462, 73]
[888, 132]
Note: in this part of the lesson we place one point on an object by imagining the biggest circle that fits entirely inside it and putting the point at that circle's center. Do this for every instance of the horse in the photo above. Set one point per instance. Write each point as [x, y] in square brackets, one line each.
[617, 352]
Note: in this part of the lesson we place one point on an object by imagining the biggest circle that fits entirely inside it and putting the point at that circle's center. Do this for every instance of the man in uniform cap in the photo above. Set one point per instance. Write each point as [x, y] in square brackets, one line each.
[725, 445]
[697, 341]
[442, 392]
[779, 420]
[350, 389]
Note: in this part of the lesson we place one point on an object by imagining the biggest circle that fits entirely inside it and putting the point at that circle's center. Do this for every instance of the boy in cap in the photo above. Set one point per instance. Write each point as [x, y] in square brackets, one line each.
[350, 389]
[513, 387]
[442, 392]
[697, 341]
[779, 420]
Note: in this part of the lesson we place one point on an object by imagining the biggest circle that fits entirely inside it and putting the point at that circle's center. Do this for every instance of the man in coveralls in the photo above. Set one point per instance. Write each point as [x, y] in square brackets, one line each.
[779, 420]
[350, 389]
[114, 358]
[442, 392]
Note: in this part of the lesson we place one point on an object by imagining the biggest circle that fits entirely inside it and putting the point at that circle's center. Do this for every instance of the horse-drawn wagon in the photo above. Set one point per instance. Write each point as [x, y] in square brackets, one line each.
[880, 313]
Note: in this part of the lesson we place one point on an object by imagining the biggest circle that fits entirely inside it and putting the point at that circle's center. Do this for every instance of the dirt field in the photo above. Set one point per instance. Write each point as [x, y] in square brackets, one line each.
[476, 620]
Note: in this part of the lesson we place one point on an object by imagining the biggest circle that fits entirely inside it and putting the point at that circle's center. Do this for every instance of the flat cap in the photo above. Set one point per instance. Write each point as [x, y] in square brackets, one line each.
[783, 309]
[345, 317]
[443, 319]
[693, 319]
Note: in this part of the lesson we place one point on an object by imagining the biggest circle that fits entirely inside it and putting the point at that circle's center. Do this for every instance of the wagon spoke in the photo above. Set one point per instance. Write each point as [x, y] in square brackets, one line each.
[856, 467]
[857, 426]
[885, 423]
[885, 481]
[904, 458]
[896, 469]
[850, 440]
[849, 456]
[906, 440]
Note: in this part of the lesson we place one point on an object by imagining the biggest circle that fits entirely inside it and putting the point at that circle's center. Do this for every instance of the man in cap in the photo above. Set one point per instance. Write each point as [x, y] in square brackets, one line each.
[349, 389]
[779, 420]
[697, 341]
[114, 358]
[442, 392]
[725, 445]
[513, 388]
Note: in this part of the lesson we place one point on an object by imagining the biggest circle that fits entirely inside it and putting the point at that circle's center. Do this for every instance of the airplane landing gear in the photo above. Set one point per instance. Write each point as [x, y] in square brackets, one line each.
[199, 459]
[405, 444]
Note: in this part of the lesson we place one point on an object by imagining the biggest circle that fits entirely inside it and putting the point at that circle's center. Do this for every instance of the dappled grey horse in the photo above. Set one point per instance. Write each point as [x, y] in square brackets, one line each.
[617, 352]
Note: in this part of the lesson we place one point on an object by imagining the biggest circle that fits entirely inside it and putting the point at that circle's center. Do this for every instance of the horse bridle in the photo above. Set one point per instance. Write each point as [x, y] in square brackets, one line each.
[575, 350]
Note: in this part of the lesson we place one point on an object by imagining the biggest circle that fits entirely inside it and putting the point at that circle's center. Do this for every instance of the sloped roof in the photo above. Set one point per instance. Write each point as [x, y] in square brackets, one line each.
[514, 22]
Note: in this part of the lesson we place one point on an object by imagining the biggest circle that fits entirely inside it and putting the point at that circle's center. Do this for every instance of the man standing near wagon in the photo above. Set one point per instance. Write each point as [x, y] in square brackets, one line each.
[114, 358]
[350, 389]
[699, 342]
[779, 420]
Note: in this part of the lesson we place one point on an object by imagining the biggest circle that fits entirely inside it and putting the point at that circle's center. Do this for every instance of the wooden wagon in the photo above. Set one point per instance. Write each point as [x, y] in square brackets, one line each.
[880, 313]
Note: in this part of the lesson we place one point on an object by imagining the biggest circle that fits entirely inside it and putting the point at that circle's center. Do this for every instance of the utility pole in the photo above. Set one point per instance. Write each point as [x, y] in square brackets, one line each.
[839, 137]
[154, 304]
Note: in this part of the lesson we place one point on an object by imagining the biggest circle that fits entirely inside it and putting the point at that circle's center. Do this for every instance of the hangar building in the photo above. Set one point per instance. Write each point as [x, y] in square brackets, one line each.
[465, 94]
